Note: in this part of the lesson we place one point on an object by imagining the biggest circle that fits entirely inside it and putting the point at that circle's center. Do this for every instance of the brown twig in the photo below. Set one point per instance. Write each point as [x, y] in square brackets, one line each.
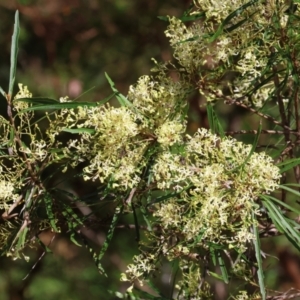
[231, 101]
[263, 131]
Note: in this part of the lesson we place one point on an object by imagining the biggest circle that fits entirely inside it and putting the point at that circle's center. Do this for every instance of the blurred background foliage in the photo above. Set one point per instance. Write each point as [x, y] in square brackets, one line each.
[65, 48]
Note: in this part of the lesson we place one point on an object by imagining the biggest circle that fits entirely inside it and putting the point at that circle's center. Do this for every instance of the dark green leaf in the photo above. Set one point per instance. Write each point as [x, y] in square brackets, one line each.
[285, 187]
[283, 204]
[144, 214]
[14, 54]
[282, 223]
[38, 100]
[21, 239]
[213, 120]
[223, 268]
[272, 214]
[109, 236]
[163, 18]
[51, 217]
[50, 104]
[73, 240]
[192, 17]
[240, 23]
[257, 248]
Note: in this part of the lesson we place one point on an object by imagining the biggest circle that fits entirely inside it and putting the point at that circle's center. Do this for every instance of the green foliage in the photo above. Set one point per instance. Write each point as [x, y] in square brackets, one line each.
[204, 198]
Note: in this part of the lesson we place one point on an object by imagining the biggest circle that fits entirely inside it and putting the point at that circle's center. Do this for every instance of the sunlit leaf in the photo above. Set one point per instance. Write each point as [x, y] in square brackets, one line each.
[79, 130]
[121, 98]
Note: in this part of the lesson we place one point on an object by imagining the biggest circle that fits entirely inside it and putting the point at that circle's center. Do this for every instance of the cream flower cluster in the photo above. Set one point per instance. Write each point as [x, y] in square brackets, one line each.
[224, 181]
[115, 140]
[217, 184]
[240, 47]
[12, 168]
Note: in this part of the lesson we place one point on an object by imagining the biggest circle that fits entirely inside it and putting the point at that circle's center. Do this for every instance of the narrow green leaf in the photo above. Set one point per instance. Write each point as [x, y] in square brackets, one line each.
[72, 218]
[144, 214]
[285, 187]
[50, 104]
[283, 204]
[240, 23]
[136, 223]
[57, 106]
[283, 224]
[199, 236]
[192, 17]
[223, 268]
[288, 164]
[48, 205]
[2, 92]
[43, 246]
[79, 130]
[121, 98]
[213, 120]
[73, 240]
[272, 214]
[37, 100]
[257, 248]
[215, 275]
[109, 236]
[22, 239]
[14, 54]
[163, 18]
[213, 255]
[217, 259]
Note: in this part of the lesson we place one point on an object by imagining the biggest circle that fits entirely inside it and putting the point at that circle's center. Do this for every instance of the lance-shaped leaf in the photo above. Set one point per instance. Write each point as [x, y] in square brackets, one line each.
[14, 54]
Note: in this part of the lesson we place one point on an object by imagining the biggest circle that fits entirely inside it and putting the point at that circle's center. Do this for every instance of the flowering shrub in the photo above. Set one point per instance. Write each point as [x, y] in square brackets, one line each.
[203, 196]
